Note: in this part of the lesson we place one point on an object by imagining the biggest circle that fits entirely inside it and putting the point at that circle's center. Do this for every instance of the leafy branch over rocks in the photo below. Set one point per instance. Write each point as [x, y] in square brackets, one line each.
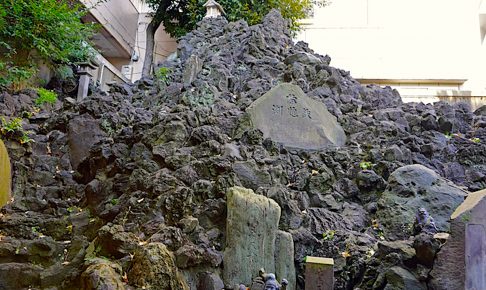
[36, 32]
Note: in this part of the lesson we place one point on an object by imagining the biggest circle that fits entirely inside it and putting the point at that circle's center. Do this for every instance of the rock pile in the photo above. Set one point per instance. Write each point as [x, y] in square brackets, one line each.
[128, 189]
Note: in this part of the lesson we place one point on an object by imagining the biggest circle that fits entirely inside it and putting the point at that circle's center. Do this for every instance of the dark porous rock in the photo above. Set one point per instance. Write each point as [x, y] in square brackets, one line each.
[209, 281]
[403, 248]
[102, 275]
[481, 111]
[426, 247]
[303, 57]
[368, 180]
[250, 175]
[400, 278]
[466, 245]
[412, 187]
[19, 275]
[142, 176]
[153, 265]
[84, 132]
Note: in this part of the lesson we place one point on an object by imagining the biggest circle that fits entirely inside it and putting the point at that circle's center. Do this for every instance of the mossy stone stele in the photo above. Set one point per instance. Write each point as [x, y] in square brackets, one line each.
[5, 175]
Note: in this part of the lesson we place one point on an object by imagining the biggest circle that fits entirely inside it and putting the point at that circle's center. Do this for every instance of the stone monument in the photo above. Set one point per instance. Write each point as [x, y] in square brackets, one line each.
[287, 116]
[5, 175]
[461, 262]
[319, 273]
[253, 240]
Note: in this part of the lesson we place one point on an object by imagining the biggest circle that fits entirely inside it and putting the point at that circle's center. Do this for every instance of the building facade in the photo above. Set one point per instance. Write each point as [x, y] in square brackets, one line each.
[427, 50]
[121, 39]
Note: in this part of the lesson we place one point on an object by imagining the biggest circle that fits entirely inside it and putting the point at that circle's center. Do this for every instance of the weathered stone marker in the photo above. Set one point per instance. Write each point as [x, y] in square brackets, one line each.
[5, 175]
[319, 273]
[467, 245]
[251, 229]
[287, 116]
[253, 240]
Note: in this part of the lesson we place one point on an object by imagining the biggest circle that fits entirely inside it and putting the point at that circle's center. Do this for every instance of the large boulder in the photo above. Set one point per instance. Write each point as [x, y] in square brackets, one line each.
[288, 116]
[102, 275]
[412, 187]
[154, 266]
[83, 133]
[251, 230]
[399, 278]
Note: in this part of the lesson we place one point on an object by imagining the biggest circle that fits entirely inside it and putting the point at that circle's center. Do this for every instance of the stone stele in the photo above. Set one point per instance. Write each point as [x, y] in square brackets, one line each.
[5, 177]
[287, 116]
[251, 230]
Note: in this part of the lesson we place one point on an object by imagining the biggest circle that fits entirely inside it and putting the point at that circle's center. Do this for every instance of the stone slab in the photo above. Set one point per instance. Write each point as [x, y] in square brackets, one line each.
[287, 116]
[475, 256]
[5, 175]
[251, 228]
[284, 259]
[319, 260]
[319, 274]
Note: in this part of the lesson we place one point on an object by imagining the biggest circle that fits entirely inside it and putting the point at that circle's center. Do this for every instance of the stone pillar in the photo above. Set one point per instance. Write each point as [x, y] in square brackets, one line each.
[319, 273]
[284, 259]
[85, 75]
[251, 229]
[5, 175]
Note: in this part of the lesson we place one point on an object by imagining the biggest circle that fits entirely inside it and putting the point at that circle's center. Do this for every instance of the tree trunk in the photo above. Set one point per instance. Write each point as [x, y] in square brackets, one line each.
[150, 43]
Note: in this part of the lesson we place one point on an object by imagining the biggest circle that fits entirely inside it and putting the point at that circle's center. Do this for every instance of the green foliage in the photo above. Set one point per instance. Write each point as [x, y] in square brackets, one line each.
[475, 140]
[180, 17]
[328, 235]
[35, 31]
[365, 165]
[13, 130]
[162, 76]
[45, 97]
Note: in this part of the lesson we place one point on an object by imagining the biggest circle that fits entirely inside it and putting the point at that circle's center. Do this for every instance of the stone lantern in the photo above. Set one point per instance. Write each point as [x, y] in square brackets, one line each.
[213, 9]
[85, 75]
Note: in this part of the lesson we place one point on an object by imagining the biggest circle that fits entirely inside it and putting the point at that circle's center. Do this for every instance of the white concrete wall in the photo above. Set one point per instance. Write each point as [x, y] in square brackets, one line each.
[124, 23]
[429, 41]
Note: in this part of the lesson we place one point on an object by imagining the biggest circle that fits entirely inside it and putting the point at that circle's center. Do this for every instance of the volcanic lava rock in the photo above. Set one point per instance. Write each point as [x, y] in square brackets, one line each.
[410, 188]
[141, 174]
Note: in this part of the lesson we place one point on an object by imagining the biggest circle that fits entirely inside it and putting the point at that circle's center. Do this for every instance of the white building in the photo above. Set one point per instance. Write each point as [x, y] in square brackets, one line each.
[425, 48]
[121, 39]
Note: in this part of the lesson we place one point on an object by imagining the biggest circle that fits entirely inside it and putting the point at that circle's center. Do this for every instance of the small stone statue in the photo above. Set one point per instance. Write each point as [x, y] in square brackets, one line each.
[268, 281]
[424, 223]
[271, 282]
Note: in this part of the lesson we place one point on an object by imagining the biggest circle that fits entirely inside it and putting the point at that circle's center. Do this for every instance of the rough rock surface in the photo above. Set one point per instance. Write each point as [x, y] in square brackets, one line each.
[155, 180]
[466, 245]
[411, 187]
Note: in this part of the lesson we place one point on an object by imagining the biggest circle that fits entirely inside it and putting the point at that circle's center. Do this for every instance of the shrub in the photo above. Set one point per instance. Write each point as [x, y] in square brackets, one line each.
[45, 97]
[13, 130]
[35, 31]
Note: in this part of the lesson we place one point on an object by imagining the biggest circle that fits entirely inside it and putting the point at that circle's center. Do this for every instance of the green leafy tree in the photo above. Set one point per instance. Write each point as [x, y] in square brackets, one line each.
[179, 17]
[34, 31]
